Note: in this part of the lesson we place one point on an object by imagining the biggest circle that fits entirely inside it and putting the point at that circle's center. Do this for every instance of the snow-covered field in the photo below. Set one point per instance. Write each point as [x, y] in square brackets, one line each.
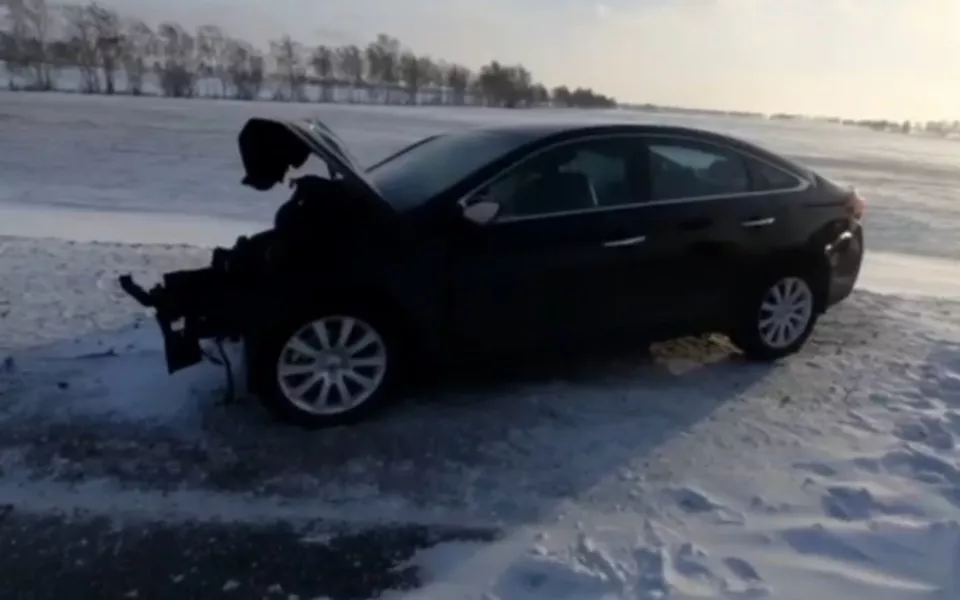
[685, 474]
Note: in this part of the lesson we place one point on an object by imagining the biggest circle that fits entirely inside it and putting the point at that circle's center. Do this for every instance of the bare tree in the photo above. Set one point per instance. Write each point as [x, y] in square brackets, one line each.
[519, 86]
[178, 71]
[213, 50]
[539, 95]
[82, 39]
[40, 22]
[433, 79]
[106, 27]
[352, 65]
[587, 98]
[6, 45]
[246, 68]
[561, 95]
[288, 56]
[139, 45]
[413, 72]
[16, 52]
[389, 50]
[99, 43]
[506, 86]
[323, 62]
[383, 55]
[374, 71]
[494, 83]
[458, 80]
[30, 25]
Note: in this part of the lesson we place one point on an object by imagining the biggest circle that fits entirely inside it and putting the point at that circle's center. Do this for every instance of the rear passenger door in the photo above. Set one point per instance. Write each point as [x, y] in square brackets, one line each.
[723, 211]
[771, 211]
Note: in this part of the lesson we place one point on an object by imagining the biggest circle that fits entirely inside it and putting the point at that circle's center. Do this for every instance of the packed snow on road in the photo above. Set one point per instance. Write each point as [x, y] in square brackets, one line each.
[679, 473]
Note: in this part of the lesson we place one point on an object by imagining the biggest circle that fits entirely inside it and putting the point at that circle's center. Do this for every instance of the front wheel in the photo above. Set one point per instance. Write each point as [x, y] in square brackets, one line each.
[777, 318]
[327, 370]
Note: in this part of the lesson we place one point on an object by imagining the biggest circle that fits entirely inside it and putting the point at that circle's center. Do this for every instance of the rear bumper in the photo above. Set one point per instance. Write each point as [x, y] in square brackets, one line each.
[845, 257]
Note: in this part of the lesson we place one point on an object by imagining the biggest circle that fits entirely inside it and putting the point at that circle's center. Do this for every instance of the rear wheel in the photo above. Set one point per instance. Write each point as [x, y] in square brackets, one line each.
[778, 317]
[328, 369]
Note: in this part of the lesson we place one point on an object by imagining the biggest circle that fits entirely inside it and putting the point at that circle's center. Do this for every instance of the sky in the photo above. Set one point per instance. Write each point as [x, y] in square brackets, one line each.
[860, 58]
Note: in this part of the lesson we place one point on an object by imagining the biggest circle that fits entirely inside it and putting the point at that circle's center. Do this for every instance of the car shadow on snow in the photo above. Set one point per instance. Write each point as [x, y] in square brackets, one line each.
[501, 443]
[484, 442]
[479, 449]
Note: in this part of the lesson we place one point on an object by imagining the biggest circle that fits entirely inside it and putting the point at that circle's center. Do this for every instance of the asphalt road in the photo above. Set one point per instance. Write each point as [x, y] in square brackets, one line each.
[58, 557]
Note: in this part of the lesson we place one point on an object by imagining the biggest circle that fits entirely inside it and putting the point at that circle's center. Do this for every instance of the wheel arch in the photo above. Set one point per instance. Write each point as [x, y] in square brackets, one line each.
[810, 261]
[278, 311]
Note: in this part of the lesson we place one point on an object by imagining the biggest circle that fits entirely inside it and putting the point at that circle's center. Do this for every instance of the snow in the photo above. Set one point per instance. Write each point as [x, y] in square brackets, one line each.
[97, 225]
[688, 474]
[855, 499]
[906, 275]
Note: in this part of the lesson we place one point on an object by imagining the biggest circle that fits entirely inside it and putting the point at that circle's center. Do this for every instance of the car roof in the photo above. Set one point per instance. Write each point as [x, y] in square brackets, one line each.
[546, 130]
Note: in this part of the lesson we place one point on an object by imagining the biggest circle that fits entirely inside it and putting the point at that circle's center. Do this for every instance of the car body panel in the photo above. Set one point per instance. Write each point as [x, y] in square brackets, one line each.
[845, 258]
[650, 267]
[553, 280]
[693, 250]
[270, 148]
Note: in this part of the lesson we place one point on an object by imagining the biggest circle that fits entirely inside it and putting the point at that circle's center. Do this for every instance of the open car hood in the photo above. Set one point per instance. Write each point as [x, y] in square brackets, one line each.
[270, 148]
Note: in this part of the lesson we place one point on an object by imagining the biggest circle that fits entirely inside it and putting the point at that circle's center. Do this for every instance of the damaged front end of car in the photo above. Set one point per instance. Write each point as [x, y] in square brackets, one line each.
[199, 304]
[225, 300]
[181, 342]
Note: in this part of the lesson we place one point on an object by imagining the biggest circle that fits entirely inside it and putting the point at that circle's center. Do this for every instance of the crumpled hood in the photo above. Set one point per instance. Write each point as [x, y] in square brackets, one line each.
[269, 149]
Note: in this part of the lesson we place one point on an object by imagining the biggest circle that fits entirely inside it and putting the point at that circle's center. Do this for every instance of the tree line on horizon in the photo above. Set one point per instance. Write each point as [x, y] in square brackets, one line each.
[39, 41]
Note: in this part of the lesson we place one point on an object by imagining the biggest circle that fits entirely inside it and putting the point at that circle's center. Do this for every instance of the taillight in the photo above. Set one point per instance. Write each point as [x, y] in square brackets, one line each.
[855, 205]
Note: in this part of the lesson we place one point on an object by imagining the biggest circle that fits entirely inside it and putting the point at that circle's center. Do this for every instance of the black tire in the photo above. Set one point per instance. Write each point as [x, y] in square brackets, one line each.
[268, 350]
[747, 333]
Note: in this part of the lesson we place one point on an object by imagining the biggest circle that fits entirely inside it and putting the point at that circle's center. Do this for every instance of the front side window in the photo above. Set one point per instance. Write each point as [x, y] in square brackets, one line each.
[572, 177]
[690, 169]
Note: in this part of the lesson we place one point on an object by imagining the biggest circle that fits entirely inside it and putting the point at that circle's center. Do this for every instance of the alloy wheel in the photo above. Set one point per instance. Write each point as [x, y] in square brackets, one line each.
[332, 365]
[785, 312]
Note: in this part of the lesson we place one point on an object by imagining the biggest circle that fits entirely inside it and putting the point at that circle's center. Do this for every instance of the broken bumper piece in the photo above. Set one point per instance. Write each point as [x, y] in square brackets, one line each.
[192, 305]
[180, 343]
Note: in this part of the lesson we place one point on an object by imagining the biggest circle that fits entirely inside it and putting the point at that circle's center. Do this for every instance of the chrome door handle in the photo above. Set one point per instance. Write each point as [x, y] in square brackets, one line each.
[633, 241]
[759, 222]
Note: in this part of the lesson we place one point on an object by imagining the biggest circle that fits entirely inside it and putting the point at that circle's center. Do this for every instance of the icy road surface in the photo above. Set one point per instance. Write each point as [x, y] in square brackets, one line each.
[688, 474]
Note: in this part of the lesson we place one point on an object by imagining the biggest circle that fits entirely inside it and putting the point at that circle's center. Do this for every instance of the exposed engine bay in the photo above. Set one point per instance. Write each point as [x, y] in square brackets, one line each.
[194, 304]
[235, 295]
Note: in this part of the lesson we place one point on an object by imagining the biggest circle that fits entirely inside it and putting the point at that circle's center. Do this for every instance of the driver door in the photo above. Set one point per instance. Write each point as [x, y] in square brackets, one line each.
[543, 270]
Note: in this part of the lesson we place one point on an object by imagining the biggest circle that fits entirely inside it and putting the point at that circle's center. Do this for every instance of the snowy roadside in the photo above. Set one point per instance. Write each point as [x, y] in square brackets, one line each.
[58, 290]
[834, 473]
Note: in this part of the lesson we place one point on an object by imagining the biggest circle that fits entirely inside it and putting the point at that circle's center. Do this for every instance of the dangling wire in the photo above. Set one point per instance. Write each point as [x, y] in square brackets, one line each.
[230, 395]
[223, 360]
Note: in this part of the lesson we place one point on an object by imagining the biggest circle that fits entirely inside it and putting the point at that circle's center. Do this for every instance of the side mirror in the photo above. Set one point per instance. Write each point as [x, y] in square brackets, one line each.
[482, 212]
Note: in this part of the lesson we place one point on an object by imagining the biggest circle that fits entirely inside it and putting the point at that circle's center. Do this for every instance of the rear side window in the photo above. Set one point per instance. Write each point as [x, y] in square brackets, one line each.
[681, 168]
[767, 178]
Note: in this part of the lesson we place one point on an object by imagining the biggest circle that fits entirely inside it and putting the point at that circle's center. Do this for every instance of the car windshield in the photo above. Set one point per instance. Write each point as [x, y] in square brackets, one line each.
[426, 169]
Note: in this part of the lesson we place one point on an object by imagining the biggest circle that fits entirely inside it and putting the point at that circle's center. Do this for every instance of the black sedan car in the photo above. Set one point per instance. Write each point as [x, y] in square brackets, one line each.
[507, 239]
